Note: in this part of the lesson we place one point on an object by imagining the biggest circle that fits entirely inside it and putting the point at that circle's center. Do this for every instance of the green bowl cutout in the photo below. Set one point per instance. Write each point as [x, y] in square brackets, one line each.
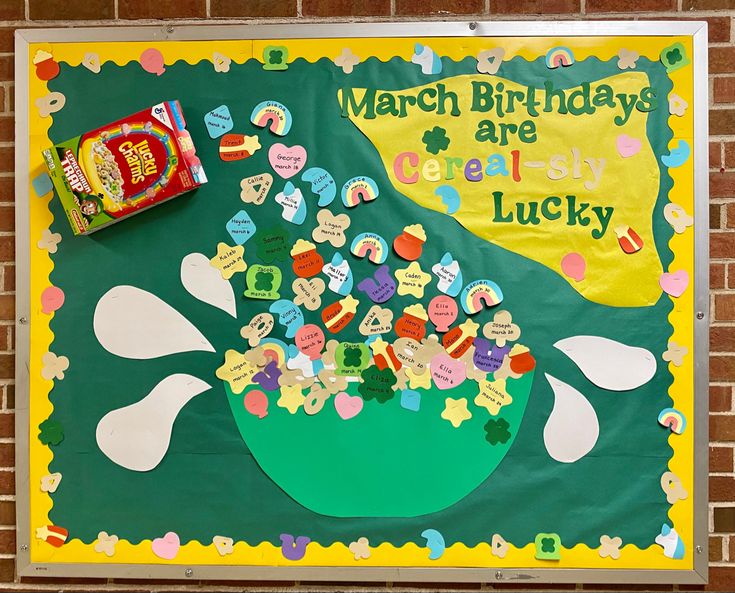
[386, 461]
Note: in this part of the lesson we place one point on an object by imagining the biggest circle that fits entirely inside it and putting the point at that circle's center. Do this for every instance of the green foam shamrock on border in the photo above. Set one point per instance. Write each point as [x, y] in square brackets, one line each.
[52, 433]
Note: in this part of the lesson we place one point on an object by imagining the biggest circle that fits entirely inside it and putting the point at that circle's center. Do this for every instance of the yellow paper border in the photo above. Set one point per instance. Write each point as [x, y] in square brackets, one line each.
[384, 555]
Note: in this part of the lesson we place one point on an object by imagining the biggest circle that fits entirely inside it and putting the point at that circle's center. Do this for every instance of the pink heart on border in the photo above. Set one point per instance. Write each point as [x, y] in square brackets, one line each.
[347, 406]
[287, 161]
[166, 547]
[627, 145]
[674, 283]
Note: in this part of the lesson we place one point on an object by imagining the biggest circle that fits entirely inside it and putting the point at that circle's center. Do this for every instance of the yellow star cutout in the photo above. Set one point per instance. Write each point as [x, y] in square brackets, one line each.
[455, 410]
[411, 280]
[349, 304]
[238, 371]
[493, 396]
[292, 398]
[229, 260]
[418, 381]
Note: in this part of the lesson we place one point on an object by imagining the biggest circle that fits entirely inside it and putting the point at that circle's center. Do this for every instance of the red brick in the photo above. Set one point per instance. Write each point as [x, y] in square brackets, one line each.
[707, 4]
[629, 5]
[731, 279]
[725, 307]
[716, 275]
[721, 368]
[721, 578]
[724, 519]
[715, 155]
[722, 339]
[721, 428]
[10, 397]
[7, 189]
[7, 159]
[722, 244]
[729, 155]
[722, 185]
[720, 398]
[9, 278]
[7, 541]
[11, 97]
[718, 26]
[7, 512]
[7, 128]
[721, 488]
[7, 249]
[534, 6]
[63, 10]
[722, 121]
[7, 307]
[7, 68]
[345, 7]
[7, 367]
[7, 485]
[7, 40]
[7, 425]
[252, 8]
[161, 9]
[7, 218]
[724, 89]
[428, 7]
[715, 549]
[721, 60]
[12, 10]
[7, 570]
[720, 459]
[715, 217]
[2, 98]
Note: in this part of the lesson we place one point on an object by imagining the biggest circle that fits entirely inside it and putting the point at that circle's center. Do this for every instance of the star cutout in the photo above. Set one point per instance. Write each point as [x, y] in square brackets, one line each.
[349, 304]
[383, 354]
[346, 60]
[455, 410]
[411, 280]
[493, 396]
[238, 371]
[229, 260]
[418, 381]
[291, 398]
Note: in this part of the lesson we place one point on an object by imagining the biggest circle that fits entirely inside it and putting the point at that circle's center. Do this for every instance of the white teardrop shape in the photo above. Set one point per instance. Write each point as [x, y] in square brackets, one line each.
[137, 436]
[572, 428]
[204, 282]
[134, 323]
[610, 364]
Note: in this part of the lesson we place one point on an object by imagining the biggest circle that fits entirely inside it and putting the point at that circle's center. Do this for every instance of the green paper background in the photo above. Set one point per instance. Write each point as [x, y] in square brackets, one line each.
[209, 483]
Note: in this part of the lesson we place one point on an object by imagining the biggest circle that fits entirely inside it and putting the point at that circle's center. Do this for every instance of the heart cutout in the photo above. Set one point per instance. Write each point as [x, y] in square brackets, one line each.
[166, 547]
[627, 145]
[674, 283]
[347, 406]
[287, 161]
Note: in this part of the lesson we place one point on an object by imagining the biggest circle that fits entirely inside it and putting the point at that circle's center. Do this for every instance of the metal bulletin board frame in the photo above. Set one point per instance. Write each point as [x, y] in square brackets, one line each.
[698, 32]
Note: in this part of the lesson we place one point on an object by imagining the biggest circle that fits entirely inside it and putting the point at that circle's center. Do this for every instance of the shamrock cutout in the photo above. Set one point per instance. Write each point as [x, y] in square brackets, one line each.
[263, 281]
[548, 545]
[275, 56]
[674, 56]
[52, 433]
[435, 140]
[497, 431]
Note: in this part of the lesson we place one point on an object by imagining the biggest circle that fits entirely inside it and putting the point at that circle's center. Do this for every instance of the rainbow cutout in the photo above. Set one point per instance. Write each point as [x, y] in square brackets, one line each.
[274, 115]
[479, 294]
[359, 189]
[559, 56]
[372, 245]
[275, 350]
[672, 419]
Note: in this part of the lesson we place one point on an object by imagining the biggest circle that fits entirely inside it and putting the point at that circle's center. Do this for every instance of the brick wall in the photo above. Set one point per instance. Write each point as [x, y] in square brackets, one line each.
[721, 17]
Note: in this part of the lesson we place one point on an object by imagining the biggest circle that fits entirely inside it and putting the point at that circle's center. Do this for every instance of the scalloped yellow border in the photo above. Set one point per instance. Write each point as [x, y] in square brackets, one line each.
[458, 555]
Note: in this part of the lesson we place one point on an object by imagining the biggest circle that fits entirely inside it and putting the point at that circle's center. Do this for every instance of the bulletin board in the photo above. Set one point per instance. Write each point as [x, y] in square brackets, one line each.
[439, 312]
